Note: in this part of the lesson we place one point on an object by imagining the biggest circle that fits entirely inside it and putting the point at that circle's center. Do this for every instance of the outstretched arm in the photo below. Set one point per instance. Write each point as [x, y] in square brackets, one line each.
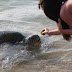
[51, 32]
[57, 31]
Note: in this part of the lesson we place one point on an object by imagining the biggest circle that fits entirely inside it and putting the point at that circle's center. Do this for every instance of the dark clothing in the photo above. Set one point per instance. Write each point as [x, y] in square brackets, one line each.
[52, 8]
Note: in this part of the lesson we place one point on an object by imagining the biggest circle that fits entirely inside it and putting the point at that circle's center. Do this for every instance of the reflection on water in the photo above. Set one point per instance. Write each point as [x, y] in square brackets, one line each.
[53, 54]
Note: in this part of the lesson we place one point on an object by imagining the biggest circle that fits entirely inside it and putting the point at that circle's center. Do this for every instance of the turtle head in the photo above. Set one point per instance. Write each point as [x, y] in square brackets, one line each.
[33, 40]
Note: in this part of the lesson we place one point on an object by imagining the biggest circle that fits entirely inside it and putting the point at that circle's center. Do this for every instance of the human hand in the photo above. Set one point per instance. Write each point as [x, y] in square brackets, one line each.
[45, 31]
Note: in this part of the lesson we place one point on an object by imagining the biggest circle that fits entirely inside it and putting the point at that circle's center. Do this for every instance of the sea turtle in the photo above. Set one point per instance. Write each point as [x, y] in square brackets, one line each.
[18, 38]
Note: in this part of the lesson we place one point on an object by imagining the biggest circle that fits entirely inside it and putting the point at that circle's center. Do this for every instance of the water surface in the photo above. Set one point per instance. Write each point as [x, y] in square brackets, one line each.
[54, 54]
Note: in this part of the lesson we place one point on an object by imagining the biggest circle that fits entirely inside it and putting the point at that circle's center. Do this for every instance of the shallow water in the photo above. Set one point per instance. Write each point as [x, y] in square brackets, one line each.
[53, 55]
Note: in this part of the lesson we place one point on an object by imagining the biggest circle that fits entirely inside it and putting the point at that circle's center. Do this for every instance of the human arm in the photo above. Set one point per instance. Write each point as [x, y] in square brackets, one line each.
[57, 31]
[50, 32]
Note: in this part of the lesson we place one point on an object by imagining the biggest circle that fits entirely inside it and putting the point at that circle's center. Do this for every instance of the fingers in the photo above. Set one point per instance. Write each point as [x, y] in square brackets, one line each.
[45, 31]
